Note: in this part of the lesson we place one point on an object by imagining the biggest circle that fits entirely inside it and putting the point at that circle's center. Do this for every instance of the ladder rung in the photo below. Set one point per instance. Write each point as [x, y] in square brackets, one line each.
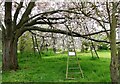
[70, 78]
[73, 55]
[72, 58]
[74, 72]
[74, 68]
[73, 63]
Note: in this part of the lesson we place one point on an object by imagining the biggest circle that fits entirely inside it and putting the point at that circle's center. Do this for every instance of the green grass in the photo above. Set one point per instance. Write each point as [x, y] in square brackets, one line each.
[52, 68]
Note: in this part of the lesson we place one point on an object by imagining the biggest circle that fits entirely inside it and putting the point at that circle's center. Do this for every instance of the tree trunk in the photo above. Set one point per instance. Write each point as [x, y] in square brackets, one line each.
[119, 61]
[63, 46]
[54, 43]
[114, 62]
[114, 57]
[9, 41]
[10, 61]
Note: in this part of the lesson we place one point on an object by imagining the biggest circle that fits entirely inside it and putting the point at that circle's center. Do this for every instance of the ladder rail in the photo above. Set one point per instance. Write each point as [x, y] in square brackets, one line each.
[70, 30]
[69, 49]
[67, 68]
[92, 45]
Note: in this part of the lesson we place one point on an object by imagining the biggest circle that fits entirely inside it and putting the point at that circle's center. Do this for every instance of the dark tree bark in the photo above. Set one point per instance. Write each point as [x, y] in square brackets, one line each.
[63, 45]
[9, 41]
[10, 54]
[54, 43]
[36, 42]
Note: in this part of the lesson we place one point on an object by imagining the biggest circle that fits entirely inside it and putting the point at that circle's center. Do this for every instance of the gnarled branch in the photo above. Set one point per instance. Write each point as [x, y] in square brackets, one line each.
[74, 34]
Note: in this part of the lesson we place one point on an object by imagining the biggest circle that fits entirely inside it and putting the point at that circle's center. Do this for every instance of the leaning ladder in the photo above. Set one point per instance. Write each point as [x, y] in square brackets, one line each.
[73, 69]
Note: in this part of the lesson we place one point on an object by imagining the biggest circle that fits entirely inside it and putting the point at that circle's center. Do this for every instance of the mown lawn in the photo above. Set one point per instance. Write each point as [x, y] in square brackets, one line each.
[52, 68]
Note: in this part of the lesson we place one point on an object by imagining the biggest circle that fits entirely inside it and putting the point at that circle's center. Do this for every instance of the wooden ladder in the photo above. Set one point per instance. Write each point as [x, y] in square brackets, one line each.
[73, 69]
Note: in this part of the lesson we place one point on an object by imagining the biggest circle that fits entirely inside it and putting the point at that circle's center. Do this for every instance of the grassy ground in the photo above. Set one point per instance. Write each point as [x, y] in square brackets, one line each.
[53, 68]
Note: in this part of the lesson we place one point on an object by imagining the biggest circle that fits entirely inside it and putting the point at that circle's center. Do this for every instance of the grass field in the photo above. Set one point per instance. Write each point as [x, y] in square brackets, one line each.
[52, 68]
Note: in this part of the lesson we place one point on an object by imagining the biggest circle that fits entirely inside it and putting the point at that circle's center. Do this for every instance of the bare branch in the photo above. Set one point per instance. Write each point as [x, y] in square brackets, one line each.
[26, 13]
[108, 11]
[43, 22]
[75, 34]
[37, 21]
[17, 12]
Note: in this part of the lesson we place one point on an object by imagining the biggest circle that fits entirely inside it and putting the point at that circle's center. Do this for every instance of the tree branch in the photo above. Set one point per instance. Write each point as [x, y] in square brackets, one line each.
[17, 12]
[26, 13]
[43, 22]
[75, 34]
[108, 12]
[36, 21]
[8, 18]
